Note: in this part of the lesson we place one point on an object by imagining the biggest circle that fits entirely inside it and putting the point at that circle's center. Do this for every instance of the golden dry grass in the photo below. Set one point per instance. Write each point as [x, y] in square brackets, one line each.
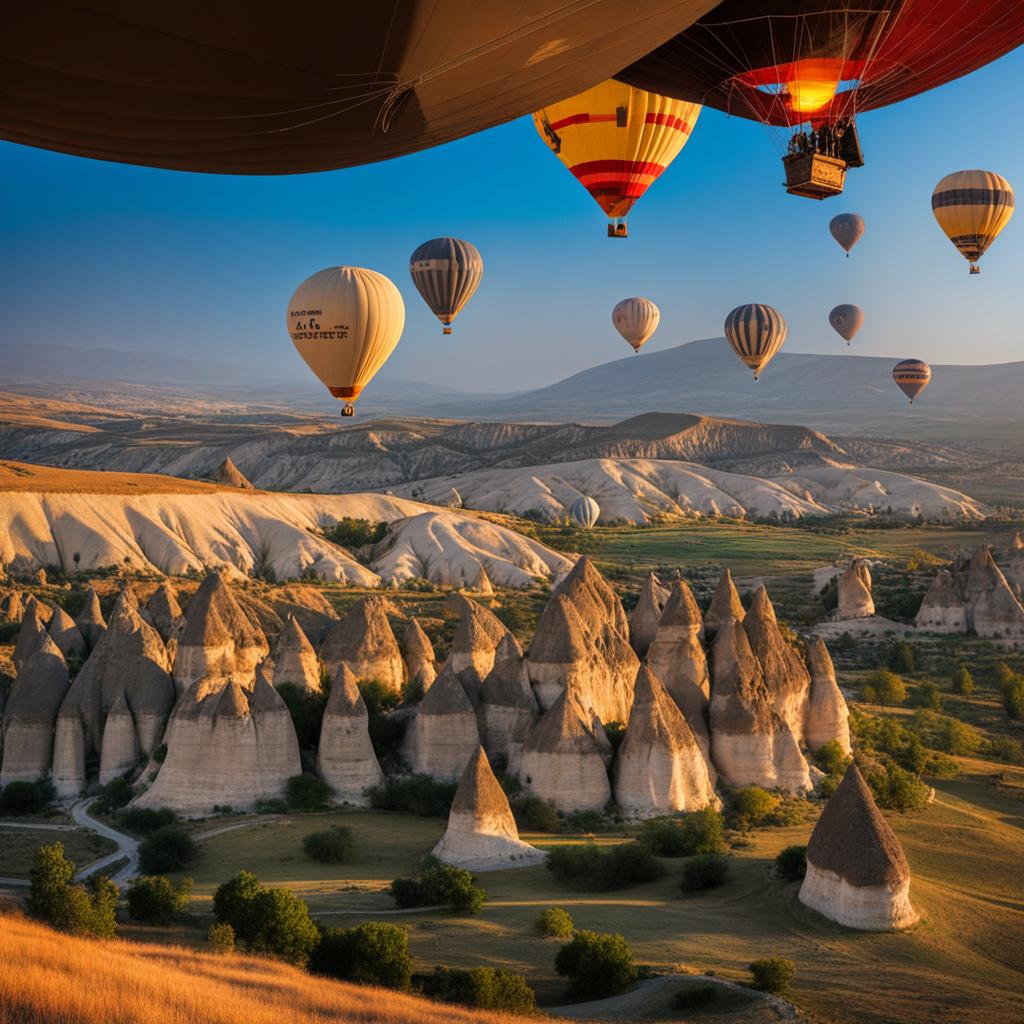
[57, 979]
[24, 476]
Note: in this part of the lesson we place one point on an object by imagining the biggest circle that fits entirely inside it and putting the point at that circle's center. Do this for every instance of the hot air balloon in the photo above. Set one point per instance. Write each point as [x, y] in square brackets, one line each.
[972, 207]
[846, 320]
[446, 272]
[636, 319]
[756, 332]
[584, 512]
[846, 229]
[813, 66]
[616, 140]
[912, 376]
[345, 322]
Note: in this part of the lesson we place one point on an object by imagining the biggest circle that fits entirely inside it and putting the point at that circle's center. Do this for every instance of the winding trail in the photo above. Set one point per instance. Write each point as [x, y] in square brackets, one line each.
[127, 847]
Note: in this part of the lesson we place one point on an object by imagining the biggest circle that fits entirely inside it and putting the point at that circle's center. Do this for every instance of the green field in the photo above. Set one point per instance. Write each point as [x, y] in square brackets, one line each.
[18, 846]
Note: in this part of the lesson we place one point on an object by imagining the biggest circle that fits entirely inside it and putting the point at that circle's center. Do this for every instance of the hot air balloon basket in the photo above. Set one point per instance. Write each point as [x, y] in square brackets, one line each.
[617, 230]
[814, 175]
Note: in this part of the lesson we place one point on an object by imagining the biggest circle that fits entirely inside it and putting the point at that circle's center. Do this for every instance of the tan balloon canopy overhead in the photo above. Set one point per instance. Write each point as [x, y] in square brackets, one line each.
[233, 87]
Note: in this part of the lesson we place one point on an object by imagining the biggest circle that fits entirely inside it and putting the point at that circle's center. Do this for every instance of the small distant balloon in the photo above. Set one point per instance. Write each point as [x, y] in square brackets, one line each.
[912, 376]
[584, 512]
[972, 207]
[636, 319]
[755, 332]
[446, 272]
[846, 320]
[846, 229]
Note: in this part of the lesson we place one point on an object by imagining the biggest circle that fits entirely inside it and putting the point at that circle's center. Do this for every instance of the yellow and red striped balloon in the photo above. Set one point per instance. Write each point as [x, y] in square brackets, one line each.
[972, 207]
[616, 141]
[912, 376]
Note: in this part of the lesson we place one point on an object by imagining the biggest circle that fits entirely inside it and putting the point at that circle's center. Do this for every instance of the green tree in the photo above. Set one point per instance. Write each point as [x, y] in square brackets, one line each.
[901, 658]
[307, 792]
[597, 966]
[791, 863]
[693, 832]
[307, 710]
[368, 954]
[71, 908]
[705, 871]
[220, 937]
[751, 806]
[441, 885]
[331, 846]
[169, 848]
[103, 894]
[152, 899]
[1013, 698]
[773, 975]
[555, 923]
[956, 737]
[283, 926]
[963, 681]
[885, 689]
[831, 758]
[926, 695]
[483, 988]
[233, 903]
[26, 796]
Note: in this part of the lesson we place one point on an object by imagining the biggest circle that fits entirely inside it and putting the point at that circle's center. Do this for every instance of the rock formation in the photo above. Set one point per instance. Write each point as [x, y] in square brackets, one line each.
[785, 673]
[364, 641]
[855, 600]
[943, 609]
[677, 658]
[725, 607]
[128, 669]
[163, 611]
[751, 744]
[228, 745]
[292, 660]
[481, 833]
[345, 759]
[218, 638]
[827, 717]
[857, 874]
[228, 474]
[562, 759]
[65, 635]
[476, 639]
[481, 584]
[12, 606]
[661, 767]
[90, 621]
[30, 714]
[643, 622]
[508, 707]
[444, 732]
[418, 654]
[31, 633]
[582, 641]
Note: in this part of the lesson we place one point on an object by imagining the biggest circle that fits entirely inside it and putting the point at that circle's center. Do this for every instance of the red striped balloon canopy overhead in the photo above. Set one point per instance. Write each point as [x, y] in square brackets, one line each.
[789, 62]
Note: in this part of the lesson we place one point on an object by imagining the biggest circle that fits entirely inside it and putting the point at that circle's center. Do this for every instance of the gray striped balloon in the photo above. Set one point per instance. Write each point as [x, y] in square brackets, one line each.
[755, 332]
[446, 272]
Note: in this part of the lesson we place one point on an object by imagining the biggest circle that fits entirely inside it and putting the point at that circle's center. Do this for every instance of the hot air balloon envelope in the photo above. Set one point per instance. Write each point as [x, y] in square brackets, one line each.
[584, 512]
[846, 320]
[446, 272]
[912, 376]
[972, 207]
[846, 229]
[636, 319]
[755, 332]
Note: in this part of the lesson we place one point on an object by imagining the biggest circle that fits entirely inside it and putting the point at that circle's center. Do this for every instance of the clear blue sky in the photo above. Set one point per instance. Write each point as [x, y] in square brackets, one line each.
[98, 254]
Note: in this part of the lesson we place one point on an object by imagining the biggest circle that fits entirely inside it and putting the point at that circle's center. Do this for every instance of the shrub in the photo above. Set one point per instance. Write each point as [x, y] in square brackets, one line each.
[926, 695]
[332, 846]
[596, 965]
[368, 954]
[884, 688]
[113, 796]
[1003, 748]
[144, 820]
[751, 806]
[956, 737]
[705, 871]
[555, 923]
[831, 758]
[598, 869]
[901, 658]
[307, 792]
[700, 831]
[483, 988]
[773, 975]
[307, 710]
[895, 788]
[963, 681]
[440, 885]
[103, 894]
[356, 533]
[153, 899]
[78, 909]
[693, 996]
[26, 797]
[414, 794]
[791, 863]
[220, 937]
[534, 814]
[169, 848]
[378, 698]
[1013, 699]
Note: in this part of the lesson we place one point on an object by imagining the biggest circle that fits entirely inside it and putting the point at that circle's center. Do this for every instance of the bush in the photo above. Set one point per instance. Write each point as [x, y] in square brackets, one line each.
[143, 820]
[884, 688]
[773, 975]
[956, 737]
[378, 698]
[368, 954]
[169, 848]
[332, 846]
[27, 797]
[555, 923]
[440, 885]
[78, 909]
[307, 710]
[831, 758]
[113, 796]
[483, 988]
[791, 863]
[1013, 699]
[963, 681]
[926, 695]
[414, 794]
[596, 869]
[154, 900]
[693, 996]
[307, 792]
[356, 533]
[1003, 748]
[700, 831]
[895, 788]
[901, 658]
[705, 871]
[751, 806]
[220, 937]
[597, 966]
[534, 814]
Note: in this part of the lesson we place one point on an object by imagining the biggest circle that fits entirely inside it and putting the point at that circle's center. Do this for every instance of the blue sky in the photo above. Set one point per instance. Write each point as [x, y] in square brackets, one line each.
[98, 254]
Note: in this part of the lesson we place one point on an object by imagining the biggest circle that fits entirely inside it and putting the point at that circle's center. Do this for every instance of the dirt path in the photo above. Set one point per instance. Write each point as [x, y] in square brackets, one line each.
[127, 847]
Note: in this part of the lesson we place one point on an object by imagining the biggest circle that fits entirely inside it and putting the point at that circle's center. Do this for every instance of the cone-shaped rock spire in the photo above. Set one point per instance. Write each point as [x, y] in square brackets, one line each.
[65, 635]
[345, 759]
[855, 600]
[643, 622]
[725, 607]
[364, 641]
[444, 732]
[292, 660]
[509, 708]
[90, 621]
[418, 654]
[828, 717]
[476, 638]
